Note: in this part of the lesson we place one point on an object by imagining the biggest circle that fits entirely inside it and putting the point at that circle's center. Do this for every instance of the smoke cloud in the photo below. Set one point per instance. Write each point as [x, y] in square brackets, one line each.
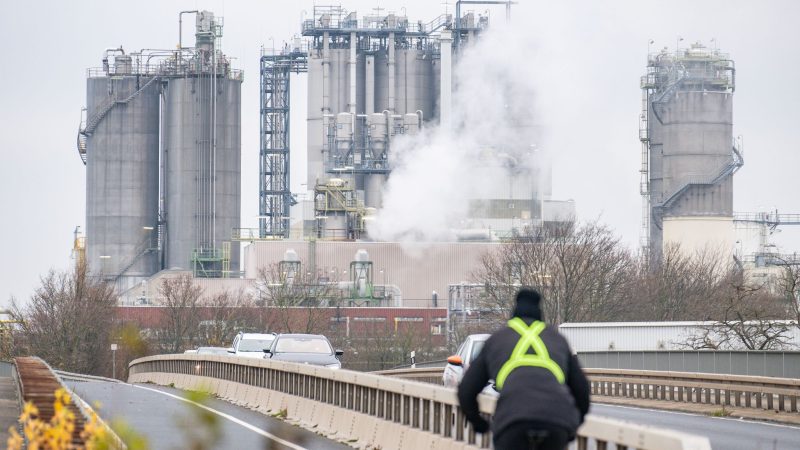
[494, 132]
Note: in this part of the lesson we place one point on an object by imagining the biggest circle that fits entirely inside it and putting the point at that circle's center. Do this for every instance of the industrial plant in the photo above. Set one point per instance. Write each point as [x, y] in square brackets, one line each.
[160, 139]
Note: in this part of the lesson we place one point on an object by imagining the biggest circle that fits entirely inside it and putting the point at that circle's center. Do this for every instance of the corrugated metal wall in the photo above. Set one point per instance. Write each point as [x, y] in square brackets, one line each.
[418, 269]
[756, 363]
[636, 336]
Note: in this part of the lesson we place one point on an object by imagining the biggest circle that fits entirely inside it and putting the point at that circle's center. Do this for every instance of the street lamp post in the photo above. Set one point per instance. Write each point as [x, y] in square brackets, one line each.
[114, 361]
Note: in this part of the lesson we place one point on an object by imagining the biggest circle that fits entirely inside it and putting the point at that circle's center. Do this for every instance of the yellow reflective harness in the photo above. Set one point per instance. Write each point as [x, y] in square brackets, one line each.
[520, 357]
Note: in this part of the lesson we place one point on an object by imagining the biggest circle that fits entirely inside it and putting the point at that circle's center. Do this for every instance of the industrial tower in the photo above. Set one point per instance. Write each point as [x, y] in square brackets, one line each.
[161, 141]
[689, 154]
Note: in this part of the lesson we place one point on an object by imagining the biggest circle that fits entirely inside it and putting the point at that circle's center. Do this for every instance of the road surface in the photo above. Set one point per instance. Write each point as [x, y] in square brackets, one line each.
[724, 433]
[169, 422]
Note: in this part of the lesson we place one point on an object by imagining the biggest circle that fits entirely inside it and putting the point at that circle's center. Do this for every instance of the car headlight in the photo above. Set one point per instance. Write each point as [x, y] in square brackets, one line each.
[334, 366]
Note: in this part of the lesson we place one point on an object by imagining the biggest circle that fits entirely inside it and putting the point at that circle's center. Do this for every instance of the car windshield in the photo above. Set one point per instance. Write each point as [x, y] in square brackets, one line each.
[476, 348]
[303, 345]
[254, 345]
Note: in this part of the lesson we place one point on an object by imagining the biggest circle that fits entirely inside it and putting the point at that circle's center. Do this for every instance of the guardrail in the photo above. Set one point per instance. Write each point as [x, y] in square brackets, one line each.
[431, 375]
[777, 394]
[767, 393]
[375, 410]
[38, 384]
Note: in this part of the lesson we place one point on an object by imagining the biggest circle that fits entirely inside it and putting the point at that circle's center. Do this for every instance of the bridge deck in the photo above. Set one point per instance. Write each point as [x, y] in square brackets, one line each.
[9, 403]
[168, 422]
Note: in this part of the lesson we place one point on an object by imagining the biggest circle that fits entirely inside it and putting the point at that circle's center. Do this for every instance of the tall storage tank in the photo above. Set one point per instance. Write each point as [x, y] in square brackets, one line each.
[689, 153]
[121, 154]
[362, 68]
[202, 152]
[413, 78]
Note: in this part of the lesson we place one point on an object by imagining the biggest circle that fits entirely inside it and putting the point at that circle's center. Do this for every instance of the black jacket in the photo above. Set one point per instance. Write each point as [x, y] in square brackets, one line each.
[529, 393]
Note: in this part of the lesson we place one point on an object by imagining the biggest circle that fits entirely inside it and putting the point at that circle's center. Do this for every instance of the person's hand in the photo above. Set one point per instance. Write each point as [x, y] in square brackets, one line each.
[480, 425]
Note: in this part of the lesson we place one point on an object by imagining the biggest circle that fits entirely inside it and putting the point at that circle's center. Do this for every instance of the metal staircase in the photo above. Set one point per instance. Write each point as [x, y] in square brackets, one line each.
[736, 162]
[145, 247]
[85, 129]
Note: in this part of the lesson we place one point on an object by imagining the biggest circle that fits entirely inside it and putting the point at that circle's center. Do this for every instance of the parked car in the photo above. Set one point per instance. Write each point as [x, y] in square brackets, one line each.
[251, 345]
[213, 350]
[314, 349]
[459, 363]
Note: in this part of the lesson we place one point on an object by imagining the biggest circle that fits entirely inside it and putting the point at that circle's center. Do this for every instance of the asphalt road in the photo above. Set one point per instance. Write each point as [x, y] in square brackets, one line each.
[163, 416]
[169, 422]
[724, 433]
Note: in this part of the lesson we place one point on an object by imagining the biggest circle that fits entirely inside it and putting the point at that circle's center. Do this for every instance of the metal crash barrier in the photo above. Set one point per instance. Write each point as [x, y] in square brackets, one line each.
[767, 393]
[370, 409]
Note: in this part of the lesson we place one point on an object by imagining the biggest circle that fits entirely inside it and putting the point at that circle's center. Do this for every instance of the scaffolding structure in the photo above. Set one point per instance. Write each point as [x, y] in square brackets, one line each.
[275, 196]
[336, 202]
[767, 223]
[467, 26]
[205, 262]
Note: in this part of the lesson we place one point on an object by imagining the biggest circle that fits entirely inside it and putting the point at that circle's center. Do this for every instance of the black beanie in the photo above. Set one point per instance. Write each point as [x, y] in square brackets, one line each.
[528, 300]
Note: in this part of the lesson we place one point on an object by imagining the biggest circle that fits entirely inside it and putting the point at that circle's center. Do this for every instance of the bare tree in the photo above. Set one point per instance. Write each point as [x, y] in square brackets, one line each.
[677, 286]
[69, 321]
[379, 346]
[583, 271]
[296, 299]
[789, 286]
[744, 317]
[179, 327]
[227, 314]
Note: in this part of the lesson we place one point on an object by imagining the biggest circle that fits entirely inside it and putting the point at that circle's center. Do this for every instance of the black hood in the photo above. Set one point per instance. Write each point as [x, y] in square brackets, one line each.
[528, 304]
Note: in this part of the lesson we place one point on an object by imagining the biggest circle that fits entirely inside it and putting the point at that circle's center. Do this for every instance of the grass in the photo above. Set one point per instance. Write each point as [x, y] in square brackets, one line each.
[724, 412]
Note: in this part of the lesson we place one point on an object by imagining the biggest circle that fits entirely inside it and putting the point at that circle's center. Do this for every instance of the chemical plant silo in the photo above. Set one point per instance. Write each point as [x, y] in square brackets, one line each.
[202, 148]
[161, 144]
[689, 154]
[118, 142]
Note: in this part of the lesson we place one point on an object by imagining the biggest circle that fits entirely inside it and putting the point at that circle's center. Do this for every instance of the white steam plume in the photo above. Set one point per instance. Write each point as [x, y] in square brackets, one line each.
[438, 171]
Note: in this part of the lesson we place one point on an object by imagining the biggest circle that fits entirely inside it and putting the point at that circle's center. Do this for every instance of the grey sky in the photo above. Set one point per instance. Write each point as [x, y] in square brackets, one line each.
[592, 55]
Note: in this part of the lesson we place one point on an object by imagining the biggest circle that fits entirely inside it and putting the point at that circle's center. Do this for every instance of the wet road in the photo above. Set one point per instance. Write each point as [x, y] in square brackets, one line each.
[724, 433]
[168, 421]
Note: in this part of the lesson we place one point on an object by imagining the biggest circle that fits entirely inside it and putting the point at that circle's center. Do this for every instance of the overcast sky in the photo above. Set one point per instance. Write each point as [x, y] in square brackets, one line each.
[592, 55]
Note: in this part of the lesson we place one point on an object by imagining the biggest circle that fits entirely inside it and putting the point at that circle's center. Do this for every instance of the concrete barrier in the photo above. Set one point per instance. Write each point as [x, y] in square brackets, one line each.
[368, 409]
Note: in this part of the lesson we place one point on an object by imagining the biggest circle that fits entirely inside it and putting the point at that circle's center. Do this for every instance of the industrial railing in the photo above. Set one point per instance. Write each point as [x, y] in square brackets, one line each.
[376, 410]
[424, 374]
[766, 393]
[776, 394]
[38, 383]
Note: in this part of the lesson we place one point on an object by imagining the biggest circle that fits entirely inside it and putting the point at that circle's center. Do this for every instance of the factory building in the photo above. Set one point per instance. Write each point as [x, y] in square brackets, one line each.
[371, 81]
[162, 147]
[689, 154]
[161, 144]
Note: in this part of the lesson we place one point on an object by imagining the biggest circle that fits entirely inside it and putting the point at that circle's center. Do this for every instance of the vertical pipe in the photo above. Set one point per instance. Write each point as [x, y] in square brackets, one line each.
[326, 100]
[213, 174]
[326, 64]
[390, 44]
[369, 85]
[445, 94]
[352, 63]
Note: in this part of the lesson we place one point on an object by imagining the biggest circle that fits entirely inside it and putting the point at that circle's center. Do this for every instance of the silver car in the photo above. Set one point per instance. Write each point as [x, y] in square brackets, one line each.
[252, 345]
[314, 349]
[458, 363]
